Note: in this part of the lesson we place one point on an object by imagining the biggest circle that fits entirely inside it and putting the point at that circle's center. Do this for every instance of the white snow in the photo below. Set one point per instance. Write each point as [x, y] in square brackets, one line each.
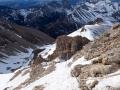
[110, 80]
[14, 62]
[6, 83]
[90, 82]
[81, 61]
[23, 59]
[60, 79]
[49, 50]
[17, 81]
[4, 78]
[105, 6]
[101, 8]
[24, 12]
[91, 31]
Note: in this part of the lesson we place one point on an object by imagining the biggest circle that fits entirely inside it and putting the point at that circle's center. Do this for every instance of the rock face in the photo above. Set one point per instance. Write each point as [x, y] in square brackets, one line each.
[65, 43]
[105, 55]
[67, 46]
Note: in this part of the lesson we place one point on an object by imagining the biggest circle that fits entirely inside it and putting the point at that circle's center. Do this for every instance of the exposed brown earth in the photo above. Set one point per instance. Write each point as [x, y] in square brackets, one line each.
[106, 50]
[38, 87]
[36, 72]
[108, 44]
[37, 60]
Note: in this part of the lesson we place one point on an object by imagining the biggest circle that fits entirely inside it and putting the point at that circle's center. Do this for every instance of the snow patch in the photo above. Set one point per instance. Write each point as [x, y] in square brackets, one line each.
[14, 62]
[49, 50]
[81, 61]
[110, 80]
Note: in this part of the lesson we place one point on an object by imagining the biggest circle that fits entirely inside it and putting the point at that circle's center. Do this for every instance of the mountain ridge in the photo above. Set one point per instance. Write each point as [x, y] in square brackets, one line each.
[16, 42]
[55, 20]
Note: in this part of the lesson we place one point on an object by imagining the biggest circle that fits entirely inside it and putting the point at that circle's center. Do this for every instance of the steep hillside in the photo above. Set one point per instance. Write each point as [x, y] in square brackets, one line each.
[84, 56]
[91, 32]
[104, 55]
[17, 42]
[90, 67]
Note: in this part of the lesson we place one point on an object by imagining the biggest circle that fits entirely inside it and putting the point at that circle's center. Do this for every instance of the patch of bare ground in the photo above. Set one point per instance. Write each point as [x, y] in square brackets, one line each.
[106, 51]
[39, 71]
[18, 72]
[40, 87]
[36, 72]
[26, 72]
[95, 70]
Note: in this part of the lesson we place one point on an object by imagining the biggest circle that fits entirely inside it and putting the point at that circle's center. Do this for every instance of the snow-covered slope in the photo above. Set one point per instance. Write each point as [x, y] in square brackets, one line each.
[106, 84]
[49, 50]
[17, 44]
[90, 10]
[82, 16]
[59, 79]
[57, 73]
[11, 63]
[91, 31]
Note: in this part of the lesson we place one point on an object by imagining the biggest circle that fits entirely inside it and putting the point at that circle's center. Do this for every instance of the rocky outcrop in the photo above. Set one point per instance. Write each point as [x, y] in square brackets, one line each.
[105, 55]
[107, 46]
[67, 46]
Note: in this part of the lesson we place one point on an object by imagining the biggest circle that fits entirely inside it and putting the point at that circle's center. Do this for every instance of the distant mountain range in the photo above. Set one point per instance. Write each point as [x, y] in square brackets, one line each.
[59, 45]
[58, 18]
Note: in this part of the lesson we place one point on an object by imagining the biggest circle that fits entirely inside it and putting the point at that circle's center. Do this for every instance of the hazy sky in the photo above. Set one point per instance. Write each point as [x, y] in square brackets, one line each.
[28, 0]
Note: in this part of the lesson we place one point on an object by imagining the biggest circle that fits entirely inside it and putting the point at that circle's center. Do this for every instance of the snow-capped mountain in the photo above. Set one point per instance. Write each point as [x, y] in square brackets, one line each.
[90, 10]
[56, 18]
[85, 57]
